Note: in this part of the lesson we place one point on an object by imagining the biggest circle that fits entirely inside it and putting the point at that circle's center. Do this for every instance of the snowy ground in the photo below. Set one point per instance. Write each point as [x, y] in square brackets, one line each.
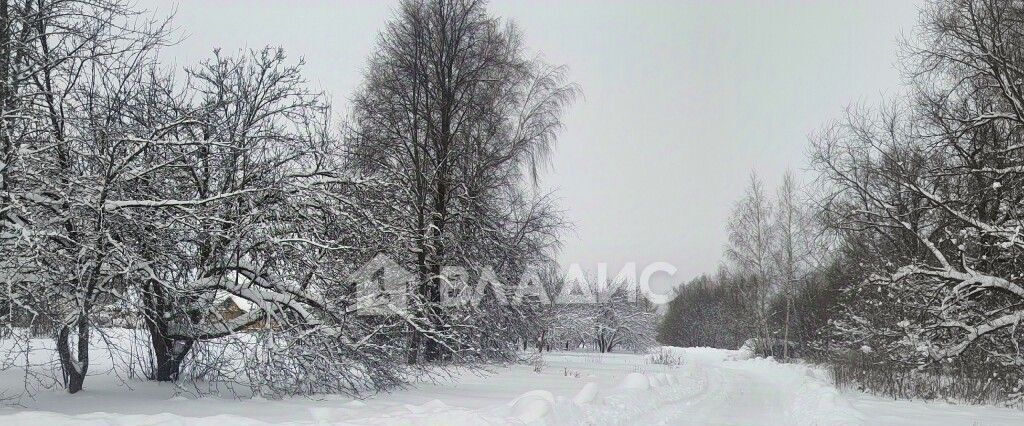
[710, 387]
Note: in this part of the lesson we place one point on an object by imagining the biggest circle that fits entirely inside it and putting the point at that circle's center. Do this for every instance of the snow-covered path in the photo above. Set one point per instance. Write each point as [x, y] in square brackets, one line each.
[724, 396]
[765, 392]
[725, 388]
[710, 387]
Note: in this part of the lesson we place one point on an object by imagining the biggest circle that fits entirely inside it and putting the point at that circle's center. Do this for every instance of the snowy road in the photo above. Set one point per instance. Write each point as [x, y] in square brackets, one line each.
[747, 392]
[715, 388]
[723, 396]
[710, 387]
[724, 388]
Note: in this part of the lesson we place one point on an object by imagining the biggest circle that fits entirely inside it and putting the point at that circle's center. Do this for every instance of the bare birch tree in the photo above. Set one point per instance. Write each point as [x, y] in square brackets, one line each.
[751, 249]
[456, 117]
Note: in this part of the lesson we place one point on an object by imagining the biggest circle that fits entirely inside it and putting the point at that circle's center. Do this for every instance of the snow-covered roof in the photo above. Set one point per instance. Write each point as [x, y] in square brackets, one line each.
[244, 304]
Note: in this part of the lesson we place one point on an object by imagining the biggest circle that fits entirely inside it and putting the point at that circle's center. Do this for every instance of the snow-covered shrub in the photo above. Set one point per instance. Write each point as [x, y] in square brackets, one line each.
[956, 381]
[770, 347]
[665, 356]
[538, 364]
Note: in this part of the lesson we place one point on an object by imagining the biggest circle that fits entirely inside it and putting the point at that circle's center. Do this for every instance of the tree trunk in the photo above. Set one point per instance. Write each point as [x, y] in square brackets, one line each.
[414, 345]
[785, 333]
[74, 370]
[169, 352]
[433, 350]
[415, 337]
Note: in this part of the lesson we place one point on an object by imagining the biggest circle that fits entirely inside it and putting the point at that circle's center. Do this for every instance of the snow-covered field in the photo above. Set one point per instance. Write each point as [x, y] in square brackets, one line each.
[711, 386]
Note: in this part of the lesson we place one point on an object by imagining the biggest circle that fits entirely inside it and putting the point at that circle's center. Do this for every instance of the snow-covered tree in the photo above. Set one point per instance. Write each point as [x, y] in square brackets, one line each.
[129, 195]
[752, 240]
[799, 248]
[136, 195]
[455, 116]
[932, 188]
[71, 149]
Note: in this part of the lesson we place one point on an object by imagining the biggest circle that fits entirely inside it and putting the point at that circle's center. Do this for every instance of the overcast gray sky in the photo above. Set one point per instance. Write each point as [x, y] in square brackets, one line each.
[682, 99]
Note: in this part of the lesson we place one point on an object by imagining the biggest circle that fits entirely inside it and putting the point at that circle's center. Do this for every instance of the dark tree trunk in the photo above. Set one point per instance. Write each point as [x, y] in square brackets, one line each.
[415, 336]
[414, 345]
[169, 352]
[74, 367]
[433, 350]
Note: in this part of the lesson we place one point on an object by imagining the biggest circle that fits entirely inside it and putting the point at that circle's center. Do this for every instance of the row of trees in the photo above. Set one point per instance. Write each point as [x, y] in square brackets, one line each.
[615, 322]
[775, 253]
[707, 312]
[137, 191]
[919, 204]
